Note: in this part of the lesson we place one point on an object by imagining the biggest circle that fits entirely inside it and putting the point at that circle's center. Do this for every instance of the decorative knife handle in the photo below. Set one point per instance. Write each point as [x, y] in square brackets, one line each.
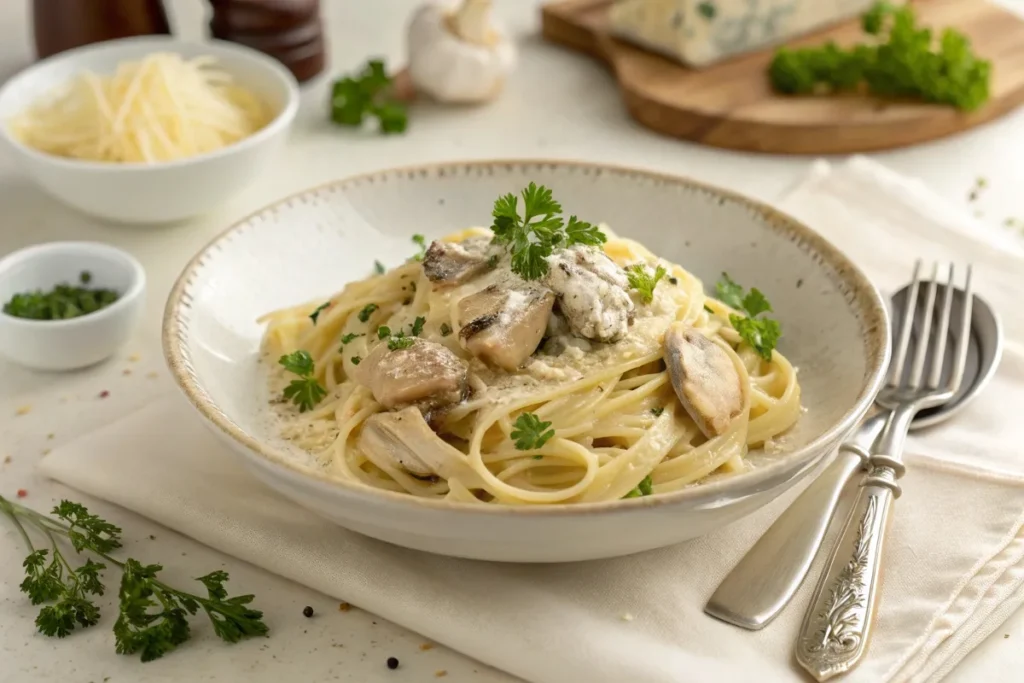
[837, 626]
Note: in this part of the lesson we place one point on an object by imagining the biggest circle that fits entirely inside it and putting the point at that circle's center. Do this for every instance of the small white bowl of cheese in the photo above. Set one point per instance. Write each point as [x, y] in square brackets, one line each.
[150, 129]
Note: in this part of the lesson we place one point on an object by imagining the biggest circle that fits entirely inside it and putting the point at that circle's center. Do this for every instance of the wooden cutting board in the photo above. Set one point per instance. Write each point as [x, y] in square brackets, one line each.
[731, 104]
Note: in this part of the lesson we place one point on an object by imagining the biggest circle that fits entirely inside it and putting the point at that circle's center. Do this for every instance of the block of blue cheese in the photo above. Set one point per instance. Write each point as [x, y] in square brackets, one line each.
[701, 32]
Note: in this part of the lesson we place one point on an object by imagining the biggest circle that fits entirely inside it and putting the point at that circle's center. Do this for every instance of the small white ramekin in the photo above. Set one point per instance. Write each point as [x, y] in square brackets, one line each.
[76, 342]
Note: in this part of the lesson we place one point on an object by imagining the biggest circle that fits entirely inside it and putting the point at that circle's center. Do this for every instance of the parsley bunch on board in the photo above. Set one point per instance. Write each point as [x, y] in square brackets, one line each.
[152, 616]
[760, 333]
[532, 237]
[306, 391]
[368, 94]
[904, 60]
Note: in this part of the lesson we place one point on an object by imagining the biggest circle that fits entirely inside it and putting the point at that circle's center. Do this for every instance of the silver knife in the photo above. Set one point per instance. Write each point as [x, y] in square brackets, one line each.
[768, 576]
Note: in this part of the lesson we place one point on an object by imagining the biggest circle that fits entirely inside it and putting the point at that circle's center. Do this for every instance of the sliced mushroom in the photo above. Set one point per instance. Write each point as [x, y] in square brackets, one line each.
[426, 375]
[591, 293]
[704, 378]
[452, 263]
[404, 439]
[503, 323]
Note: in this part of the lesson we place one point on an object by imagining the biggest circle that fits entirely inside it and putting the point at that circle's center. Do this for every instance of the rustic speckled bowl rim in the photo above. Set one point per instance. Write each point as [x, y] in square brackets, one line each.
[858, 291]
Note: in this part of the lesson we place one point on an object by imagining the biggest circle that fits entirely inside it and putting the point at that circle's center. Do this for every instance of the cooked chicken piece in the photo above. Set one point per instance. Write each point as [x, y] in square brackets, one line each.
[426, 375]
[404, 439]
[452, 263]
[591, 293]
[704, 378]
[503, 323]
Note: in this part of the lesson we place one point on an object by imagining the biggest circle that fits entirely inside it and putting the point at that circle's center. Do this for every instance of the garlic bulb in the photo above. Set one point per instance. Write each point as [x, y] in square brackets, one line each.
[458, 56]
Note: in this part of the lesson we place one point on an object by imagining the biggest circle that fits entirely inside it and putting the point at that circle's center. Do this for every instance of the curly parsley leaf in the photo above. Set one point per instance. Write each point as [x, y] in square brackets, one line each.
[421, 242]
[580, 232]
[87, 530]
[532, 237]
[298, 362]
[417, 326]
[400, 341]
[644, 488]
[761, 334]
[356, 360]
[368, 309]
[368, 94]
[383, 332]
[446, 329]
[530, 432]
[350, 337]
[316, 312]
[306, 391]
[643, 282]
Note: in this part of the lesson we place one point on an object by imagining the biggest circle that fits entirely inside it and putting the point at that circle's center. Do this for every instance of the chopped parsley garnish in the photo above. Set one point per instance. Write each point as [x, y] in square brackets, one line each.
[417, 326]
[153, 616]
[902, 60]
[644, 488]
[532, 237]
[446, 329]
[316, 312]
[709, 309]
[350, 337]
[643, 282]
[657, 411]
[400, 341]
[383, 332]
[760, 333]
[356, 360]
[63, 302]
[368, 309]
[306, 391]
[379, 268]
[368, 94]
[530, 432]
[421, 242]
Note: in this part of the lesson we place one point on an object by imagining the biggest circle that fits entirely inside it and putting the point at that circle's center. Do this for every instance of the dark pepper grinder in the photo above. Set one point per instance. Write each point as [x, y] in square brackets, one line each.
[291, 31]
[60, 25]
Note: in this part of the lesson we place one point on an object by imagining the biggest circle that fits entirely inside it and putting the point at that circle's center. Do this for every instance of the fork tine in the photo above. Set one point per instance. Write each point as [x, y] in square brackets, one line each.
[964, 341]
[909, 306]
[921, 353]
[939, 352]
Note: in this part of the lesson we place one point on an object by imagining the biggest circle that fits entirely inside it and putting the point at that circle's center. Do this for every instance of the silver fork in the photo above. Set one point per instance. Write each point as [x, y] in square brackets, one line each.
[837, 626]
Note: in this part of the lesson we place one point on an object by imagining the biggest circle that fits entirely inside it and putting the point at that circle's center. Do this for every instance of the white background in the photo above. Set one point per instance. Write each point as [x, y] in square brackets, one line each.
[557, 105]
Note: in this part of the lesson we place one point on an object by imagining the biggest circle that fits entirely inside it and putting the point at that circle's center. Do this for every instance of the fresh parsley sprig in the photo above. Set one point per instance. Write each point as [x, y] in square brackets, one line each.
[306, 391]
[760, 333]
[532, 237]
[643, 282]
[530, 432]
[368, 94]
[904, 60]
[148, 626]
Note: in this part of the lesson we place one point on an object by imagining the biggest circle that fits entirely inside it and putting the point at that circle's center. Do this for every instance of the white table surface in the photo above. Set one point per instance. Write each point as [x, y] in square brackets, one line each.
[557, 105]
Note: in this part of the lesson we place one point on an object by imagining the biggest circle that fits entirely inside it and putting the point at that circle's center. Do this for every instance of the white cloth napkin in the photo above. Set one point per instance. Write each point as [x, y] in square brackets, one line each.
[955, 568]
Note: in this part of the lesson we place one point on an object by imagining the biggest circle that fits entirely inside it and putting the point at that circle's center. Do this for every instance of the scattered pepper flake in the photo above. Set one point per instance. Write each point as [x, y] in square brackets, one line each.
[426, 646]
[104, 393]
[134, 358]
[152, 375]
[307, 611]
[126, 372]
[440, 673]
[7, 460]
[22, 493]
[392, 663]
[344, 607]
[50, 436]
[152, 537]
[46, 451]
[23, 410]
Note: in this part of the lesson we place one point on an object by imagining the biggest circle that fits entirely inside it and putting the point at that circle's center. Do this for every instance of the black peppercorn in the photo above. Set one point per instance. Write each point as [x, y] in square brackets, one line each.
[307, 611]
[392, 663]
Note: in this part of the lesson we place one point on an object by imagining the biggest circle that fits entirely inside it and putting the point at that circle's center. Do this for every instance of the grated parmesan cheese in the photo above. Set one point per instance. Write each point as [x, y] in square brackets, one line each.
[161, 108]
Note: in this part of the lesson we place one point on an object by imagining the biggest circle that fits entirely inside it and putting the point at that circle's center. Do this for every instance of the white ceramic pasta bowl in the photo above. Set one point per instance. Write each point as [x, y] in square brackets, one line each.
[834, 324]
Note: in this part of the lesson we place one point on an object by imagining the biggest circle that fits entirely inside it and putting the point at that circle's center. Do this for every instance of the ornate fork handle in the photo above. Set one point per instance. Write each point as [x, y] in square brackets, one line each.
[837, 626]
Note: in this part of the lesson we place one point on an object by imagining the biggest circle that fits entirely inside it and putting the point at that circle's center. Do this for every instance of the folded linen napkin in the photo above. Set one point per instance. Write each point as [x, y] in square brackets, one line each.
[955, 567]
